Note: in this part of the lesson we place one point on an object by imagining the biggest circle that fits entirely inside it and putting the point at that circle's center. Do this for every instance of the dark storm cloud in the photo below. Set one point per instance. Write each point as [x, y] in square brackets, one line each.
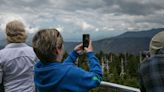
[98, 17]
[136, 7]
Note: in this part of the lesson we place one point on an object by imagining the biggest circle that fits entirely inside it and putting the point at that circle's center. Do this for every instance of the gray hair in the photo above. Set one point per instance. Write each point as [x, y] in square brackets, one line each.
[46, 42]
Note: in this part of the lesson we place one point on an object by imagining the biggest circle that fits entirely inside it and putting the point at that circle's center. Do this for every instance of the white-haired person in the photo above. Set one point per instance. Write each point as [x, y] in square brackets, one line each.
[151, 70]
[51, 74]
[17, 60]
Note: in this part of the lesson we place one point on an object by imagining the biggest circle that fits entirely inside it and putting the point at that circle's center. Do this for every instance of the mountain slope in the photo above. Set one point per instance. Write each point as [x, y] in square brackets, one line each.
[130, 42]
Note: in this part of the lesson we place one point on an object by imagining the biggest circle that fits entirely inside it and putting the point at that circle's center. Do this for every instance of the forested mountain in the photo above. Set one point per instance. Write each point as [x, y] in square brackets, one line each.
[129, 42]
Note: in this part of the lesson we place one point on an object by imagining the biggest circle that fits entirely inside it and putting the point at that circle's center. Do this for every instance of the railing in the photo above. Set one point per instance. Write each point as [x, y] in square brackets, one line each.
[118, 87]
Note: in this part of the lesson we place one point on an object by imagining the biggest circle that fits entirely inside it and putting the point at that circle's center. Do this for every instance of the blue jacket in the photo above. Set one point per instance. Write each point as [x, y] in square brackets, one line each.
[66, 76]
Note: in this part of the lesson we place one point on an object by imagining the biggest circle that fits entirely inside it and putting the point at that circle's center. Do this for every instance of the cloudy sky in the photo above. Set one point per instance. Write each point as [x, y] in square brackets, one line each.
[99, 18]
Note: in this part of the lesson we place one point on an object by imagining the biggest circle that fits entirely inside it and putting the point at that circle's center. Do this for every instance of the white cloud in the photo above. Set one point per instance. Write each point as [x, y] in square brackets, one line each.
[97, 29]
[96, 16]
[28, 1]
[5, 18]
[60, 28]
[85, 26]
[31, 30]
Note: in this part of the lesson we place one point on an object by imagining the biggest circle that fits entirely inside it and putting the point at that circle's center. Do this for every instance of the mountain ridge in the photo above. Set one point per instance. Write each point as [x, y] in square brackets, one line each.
[128, 42]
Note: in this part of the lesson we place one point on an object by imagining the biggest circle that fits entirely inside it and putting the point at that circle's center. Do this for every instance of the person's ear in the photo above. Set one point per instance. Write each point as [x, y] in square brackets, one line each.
[58, 51]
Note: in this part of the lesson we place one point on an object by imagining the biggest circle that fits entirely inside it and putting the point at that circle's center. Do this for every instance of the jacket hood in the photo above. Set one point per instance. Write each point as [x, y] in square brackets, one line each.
[49, 75]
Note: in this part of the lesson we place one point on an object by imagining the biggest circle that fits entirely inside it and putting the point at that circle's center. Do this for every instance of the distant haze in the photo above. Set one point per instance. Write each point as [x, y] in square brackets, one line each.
[128, 42]
[100, 18]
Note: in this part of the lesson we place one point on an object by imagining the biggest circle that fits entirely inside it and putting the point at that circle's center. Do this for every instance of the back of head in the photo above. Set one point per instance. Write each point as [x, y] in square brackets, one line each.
[157, 43]
[15, 32]
[45, 43]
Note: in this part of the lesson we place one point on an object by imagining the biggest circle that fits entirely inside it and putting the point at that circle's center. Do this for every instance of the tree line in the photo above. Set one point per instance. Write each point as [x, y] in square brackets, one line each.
[117, 68]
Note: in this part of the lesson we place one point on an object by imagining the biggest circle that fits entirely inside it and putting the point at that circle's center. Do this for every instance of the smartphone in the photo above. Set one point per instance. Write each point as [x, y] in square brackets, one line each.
[85, 40]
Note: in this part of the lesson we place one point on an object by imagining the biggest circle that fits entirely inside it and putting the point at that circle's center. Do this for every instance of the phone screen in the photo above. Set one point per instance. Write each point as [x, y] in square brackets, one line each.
[85, 40]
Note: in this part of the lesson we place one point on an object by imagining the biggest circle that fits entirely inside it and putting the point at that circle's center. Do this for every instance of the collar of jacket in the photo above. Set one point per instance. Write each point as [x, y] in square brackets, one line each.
[15, 45]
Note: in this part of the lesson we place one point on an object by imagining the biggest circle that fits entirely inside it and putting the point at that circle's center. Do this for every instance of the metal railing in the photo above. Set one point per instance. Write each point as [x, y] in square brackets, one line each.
[118, 87]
